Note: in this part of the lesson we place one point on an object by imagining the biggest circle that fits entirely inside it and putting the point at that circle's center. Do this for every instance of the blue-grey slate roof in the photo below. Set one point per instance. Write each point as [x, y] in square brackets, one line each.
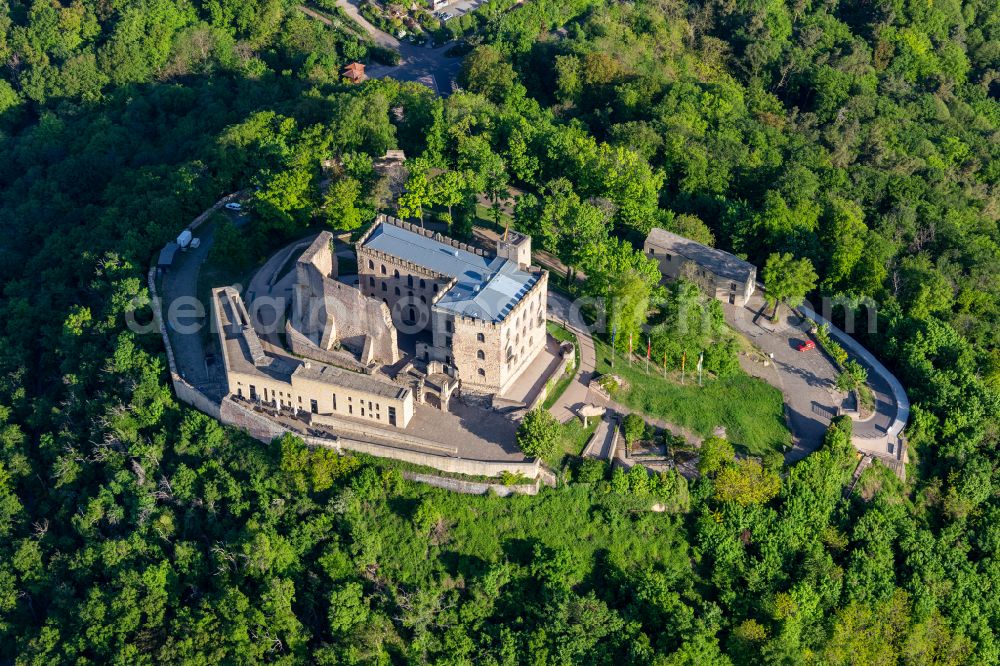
[485, 288]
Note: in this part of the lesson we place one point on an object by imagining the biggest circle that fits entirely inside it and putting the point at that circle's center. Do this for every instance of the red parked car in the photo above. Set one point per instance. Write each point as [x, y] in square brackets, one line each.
[806, 346]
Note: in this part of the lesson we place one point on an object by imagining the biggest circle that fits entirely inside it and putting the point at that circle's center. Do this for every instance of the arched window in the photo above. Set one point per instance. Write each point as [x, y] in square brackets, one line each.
[383, 269]
[480, 337]
[384, 287]
[413, 314]
[371, 281]
[423, 299]
[435, 288]
[481, 355]
[395, 274]
[397, 291]
[409, 280]
[371, 265]
[482, 373]
[423, 284]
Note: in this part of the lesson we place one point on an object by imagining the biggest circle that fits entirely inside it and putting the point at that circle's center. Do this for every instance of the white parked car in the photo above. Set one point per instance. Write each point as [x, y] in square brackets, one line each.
[232, 205]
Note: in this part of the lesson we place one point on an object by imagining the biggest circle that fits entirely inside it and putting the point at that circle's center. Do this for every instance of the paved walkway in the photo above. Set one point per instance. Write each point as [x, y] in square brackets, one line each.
[601, 443]
[892, 408]
[561, 310]
[808, 380]
[381, 38]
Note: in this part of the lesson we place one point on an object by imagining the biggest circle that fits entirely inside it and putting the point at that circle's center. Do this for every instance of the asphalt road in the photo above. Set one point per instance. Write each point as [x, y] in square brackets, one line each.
[184, 315]
[421, 64]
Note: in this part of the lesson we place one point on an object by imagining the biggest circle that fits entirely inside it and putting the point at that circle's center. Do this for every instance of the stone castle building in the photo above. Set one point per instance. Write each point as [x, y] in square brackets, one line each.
[258, 372]
[480, 315]
[719, 274]
[329, 313]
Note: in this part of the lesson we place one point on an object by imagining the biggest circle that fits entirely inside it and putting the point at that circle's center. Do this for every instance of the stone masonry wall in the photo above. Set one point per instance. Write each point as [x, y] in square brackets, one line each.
[473, 487]
[327, 311]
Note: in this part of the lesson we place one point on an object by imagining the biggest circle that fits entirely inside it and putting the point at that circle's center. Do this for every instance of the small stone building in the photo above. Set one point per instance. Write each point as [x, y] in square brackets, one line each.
[484, 313]
[720, 274]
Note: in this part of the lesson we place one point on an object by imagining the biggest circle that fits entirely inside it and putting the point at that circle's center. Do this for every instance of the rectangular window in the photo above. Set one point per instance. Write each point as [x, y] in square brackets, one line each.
[313, 407]
[447, 326]
[253, 392]
[667, 257]
[392, 416]
[350, 409]
[239, 392]
[334, 402]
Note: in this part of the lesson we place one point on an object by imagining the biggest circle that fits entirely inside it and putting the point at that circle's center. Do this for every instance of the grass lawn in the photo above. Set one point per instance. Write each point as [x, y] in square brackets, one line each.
[485, 218]
[751, 410]
[572, 438]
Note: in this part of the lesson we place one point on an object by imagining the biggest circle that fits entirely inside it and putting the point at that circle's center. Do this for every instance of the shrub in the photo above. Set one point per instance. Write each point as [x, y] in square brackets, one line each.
[383, 56]
[538, 434]
[633, 428]
[591, 471]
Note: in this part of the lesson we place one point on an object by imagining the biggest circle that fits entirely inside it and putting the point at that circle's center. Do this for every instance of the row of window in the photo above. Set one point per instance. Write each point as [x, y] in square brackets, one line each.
[396, 290]
[281, 399]
[409, 278]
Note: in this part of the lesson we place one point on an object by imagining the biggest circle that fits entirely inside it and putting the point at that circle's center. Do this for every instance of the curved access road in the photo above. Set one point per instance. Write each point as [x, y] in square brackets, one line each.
[880, 434]
[808, 382]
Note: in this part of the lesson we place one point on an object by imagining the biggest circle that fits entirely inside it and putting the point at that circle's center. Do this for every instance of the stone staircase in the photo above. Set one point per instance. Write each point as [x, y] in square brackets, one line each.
[865, 463]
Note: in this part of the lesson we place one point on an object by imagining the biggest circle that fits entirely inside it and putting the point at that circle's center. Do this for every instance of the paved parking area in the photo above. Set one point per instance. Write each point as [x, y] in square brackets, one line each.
[458, 8]
[807, 379]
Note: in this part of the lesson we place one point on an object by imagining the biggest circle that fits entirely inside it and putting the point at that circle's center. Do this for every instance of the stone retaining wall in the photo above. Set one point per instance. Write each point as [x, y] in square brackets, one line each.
[442, 463]
[370, 430]
[568, 352]
[473, 487]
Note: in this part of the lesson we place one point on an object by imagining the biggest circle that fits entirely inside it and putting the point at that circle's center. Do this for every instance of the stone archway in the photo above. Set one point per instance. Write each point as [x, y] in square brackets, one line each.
[432, 399]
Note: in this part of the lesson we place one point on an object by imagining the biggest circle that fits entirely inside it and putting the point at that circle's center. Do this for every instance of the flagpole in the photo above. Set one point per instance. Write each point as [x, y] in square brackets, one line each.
[614, 332]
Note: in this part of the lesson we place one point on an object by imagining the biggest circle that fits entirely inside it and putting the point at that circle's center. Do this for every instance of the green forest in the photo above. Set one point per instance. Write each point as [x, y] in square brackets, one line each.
[860, 137]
